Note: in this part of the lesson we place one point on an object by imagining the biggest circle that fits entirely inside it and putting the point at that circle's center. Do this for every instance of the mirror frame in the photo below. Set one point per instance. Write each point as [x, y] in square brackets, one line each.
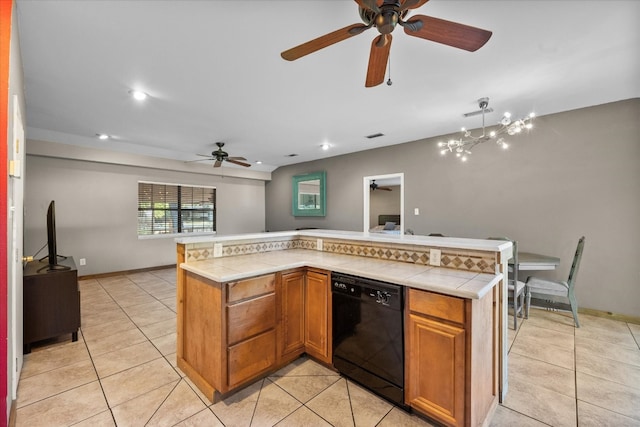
[296, 180]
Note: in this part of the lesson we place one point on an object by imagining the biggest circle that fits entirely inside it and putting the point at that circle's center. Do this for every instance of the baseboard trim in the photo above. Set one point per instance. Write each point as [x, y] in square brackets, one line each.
[120, 273]
[610, 315]
[12, 414]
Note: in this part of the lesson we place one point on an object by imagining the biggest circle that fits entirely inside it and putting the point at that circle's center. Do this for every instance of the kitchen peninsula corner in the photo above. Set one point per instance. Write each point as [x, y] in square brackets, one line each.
[265, 299]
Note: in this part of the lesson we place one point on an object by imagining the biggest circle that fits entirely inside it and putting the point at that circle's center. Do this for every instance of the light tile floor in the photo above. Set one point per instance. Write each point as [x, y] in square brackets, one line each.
[122, 371]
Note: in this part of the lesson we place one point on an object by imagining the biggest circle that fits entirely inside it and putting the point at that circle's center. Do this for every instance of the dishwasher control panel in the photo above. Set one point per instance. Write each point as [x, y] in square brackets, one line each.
[368, 290]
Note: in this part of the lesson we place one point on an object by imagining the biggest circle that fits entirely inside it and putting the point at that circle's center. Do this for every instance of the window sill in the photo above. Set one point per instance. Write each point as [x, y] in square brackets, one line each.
[174, 235]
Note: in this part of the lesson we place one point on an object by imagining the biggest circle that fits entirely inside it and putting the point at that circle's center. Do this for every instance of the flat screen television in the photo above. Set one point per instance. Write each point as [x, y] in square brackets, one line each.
[51, 240]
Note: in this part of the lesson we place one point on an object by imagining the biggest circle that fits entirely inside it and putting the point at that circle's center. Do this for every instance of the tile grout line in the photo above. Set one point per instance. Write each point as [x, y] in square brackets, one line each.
[146, 338]
[93, 363]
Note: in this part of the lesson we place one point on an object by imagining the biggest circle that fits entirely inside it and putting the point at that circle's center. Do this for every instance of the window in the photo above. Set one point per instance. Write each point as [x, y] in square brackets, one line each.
[175, 209]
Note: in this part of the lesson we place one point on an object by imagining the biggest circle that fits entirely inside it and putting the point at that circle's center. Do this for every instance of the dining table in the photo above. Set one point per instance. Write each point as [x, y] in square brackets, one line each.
[536, 262]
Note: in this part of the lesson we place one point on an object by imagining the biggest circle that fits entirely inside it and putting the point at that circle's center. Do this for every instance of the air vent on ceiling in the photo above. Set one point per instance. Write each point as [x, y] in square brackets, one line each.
[292, 155]
[375, 135]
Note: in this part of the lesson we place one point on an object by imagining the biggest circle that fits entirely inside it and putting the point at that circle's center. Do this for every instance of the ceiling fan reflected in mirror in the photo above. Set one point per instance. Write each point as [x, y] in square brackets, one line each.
[385, 15]
[375, 186]
[220, 156]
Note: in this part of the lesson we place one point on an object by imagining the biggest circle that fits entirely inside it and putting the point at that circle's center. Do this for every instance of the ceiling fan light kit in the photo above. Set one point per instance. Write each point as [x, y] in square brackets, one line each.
[462, 147]
[385, 18]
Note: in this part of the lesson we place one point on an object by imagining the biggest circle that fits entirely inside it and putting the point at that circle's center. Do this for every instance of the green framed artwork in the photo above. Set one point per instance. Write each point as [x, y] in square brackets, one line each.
[309, 194]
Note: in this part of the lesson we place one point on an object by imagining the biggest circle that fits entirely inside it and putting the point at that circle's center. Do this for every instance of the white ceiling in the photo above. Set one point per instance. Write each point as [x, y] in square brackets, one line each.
[214, 73]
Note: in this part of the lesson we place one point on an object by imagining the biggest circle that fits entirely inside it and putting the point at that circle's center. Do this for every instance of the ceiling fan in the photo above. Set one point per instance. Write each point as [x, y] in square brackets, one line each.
[385, 15]
[220, 155]
[375, 186]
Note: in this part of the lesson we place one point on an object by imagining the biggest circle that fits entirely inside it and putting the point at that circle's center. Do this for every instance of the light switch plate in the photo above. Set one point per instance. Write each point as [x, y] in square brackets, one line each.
[434, 257]
[416, 211]
[217, 250]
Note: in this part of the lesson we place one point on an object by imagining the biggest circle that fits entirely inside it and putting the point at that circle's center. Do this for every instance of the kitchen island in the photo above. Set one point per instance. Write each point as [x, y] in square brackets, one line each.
[249, 304]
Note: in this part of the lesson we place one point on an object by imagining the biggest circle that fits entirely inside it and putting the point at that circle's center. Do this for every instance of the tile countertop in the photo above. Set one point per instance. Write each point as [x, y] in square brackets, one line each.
[442, 242]
[443, 280]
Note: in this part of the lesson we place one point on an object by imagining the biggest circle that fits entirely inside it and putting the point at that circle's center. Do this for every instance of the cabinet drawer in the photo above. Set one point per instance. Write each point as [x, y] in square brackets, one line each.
[436, 305]
[248, 288]
[251, 357]
[249, 318]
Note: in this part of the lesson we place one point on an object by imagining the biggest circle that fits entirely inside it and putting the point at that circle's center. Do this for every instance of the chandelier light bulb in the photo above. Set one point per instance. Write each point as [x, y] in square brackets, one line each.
[464, 158]
[532, 115]
[443, 152]
[507, 115]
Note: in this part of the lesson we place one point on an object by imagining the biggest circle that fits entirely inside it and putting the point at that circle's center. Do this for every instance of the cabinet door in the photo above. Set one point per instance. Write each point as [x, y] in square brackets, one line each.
[436, 369]
[292, 317]
[248, 359]
[317, 312]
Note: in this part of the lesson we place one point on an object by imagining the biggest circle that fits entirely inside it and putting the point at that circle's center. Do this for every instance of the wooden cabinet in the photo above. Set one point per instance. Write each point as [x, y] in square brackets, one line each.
[230, 334]
[292, 303]
[51, 302]
[451, 374]
[251, 328]
[436, 363]
[317, 323]
[227, 333]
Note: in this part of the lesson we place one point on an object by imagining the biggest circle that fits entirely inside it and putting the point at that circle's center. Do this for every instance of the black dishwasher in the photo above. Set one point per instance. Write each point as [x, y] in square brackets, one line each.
[368, 342]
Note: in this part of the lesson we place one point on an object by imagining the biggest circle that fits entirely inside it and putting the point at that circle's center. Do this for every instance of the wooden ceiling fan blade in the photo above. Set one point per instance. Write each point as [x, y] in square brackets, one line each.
[447, 32]
[378, 58]
[237, 162]
[371, 5]
[411, 4]
[217, 164]
[323, 41]
[385, 188]
[236, 158]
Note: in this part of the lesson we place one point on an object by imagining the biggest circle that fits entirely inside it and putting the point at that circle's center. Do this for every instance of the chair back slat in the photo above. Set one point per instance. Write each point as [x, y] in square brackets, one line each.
[573, 273]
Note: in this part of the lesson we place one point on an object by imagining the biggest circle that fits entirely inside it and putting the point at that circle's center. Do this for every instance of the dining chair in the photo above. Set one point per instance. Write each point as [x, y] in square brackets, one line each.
[538, 286]
[516, 287]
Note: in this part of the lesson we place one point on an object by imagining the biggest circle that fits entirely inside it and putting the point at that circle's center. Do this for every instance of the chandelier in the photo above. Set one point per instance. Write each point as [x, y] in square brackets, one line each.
[462, 147]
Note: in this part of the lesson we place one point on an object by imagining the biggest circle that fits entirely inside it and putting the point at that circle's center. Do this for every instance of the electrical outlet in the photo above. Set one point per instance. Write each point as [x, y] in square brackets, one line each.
[434, 257]
[319, 244]
[83, 261]
[217, 250]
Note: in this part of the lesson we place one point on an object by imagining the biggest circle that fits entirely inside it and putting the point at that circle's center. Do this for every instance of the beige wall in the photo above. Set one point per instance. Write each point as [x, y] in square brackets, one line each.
[96, 211]
[577, 173]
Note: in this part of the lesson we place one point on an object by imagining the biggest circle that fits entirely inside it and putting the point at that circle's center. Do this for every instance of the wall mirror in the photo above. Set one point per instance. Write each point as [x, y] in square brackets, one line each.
[384, 202]
[309, 194]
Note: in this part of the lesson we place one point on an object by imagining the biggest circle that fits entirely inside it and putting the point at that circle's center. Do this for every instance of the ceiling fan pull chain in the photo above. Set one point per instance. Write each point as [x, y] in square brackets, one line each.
[389, 82]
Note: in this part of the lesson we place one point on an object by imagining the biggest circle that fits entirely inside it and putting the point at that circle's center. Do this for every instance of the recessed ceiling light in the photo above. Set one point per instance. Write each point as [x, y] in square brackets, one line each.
[138, 95]
[258, 162]
[102, 136]
[325, 147]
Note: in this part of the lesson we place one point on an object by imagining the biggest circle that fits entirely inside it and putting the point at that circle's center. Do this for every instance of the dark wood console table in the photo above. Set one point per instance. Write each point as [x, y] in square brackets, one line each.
[51, 305]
